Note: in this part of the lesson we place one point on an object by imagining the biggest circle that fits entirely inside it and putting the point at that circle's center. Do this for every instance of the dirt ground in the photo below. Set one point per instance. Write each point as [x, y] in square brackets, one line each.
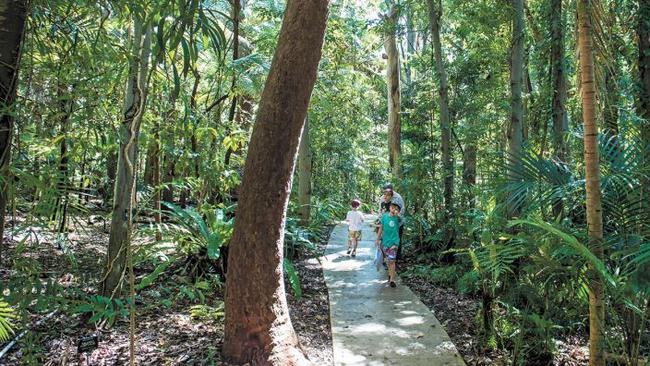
[167, 332]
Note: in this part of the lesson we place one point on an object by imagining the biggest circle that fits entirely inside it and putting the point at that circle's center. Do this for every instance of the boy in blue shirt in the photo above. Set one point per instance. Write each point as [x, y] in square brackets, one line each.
[388, 239]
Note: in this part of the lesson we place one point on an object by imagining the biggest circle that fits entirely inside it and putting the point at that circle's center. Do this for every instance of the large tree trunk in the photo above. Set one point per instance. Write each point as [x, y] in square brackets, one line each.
[257, 325]
[516, 128]
[304, 175]
[592, 176]
[394, 98]
[435, 14]
[12, 24]
[134, 100]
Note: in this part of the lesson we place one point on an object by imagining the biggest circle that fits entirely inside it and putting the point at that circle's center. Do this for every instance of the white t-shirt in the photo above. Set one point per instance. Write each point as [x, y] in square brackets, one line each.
[355, 219]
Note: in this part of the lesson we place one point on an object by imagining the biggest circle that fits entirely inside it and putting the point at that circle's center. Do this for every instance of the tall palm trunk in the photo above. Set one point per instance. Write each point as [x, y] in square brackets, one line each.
[592, 175]
[394, 97]
[516, 128]
[121, 221]
[12, 23]
[435, 14]
[257, 325]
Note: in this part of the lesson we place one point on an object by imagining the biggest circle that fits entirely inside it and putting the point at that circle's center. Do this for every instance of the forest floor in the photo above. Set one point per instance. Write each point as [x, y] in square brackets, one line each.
[179, 321]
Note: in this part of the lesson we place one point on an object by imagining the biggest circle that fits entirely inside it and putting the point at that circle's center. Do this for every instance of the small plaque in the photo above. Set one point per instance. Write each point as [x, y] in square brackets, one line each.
[87, 344]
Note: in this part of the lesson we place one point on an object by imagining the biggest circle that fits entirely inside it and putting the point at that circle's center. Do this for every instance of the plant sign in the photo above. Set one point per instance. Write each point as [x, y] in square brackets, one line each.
[87, 344]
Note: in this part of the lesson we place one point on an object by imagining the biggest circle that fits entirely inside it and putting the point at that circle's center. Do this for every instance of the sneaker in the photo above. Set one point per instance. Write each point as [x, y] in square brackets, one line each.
[393, 284]
[349, 250]
[354, 254]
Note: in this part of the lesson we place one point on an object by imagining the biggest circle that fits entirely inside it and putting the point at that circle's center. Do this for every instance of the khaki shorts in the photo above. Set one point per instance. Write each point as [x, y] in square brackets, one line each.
[354, 235]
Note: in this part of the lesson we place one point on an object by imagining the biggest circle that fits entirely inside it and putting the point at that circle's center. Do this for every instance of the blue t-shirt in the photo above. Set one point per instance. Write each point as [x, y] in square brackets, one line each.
[390, 230]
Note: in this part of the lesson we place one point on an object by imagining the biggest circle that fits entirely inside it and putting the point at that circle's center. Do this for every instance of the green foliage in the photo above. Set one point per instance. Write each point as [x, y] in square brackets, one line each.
[196, 232]
[33, 352]
[208, 313]
[292, 276]
[297, 239]
[196, 292]
[103, 309]
[445, 276]
[469, 283]
[149, 279]
[7, 315]
[575, 246]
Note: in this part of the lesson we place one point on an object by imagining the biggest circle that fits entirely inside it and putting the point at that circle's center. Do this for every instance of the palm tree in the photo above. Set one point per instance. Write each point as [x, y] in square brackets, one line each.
[592, 175]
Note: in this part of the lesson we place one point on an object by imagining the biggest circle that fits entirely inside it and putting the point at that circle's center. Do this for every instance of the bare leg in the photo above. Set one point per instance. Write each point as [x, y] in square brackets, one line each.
[391, 271]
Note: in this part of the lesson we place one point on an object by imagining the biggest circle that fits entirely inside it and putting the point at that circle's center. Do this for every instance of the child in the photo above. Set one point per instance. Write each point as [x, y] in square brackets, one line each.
[388, 238]
[354, 219]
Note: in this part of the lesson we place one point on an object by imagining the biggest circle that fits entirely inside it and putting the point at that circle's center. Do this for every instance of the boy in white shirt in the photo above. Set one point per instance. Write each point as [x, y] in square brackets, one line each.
[354, 218]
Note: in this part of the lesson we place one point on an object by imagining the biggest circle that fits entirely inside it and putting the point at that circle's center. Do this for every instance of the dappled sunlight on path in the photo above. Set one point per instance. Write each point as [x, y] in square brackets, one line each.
[372, 323]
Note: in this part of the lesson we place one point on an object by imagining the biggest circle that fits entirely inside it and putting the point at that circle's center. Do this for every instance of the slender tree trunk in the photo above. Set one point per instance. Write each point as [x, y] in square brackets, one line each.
[559, 92]
[12, 23]
[643, 32]
[111, 174]
[558, 76]
[257, 325]
[611, 101]
[121, 221]
[193, 138]
[394, 98]
[527, 92]
[304, 175]
[516, 128]
[236, 10]
[612, 92]
[63, 184]
[410, 52]
[154, 162]
[469, 173]
[435, 15]
[169, 160]
[152, 150]
[592, 176]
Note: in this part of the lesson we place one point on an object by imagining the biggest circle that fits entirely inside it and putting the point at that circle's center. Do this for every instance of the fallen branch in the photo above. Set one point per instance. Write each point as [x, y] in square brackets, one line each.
[22, 334]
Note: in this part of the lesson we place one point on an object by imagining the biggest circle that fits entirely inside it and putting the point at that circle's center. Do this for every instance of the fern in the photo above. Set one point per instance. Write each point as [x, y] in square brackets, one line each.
[292, 275]
[575, 245]
[6, 316]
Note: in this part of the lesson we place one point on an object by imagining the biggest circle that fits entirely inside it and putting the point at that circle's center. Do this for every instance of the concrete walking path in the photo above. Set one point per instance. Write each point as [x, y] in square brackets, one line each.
[372, 323]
